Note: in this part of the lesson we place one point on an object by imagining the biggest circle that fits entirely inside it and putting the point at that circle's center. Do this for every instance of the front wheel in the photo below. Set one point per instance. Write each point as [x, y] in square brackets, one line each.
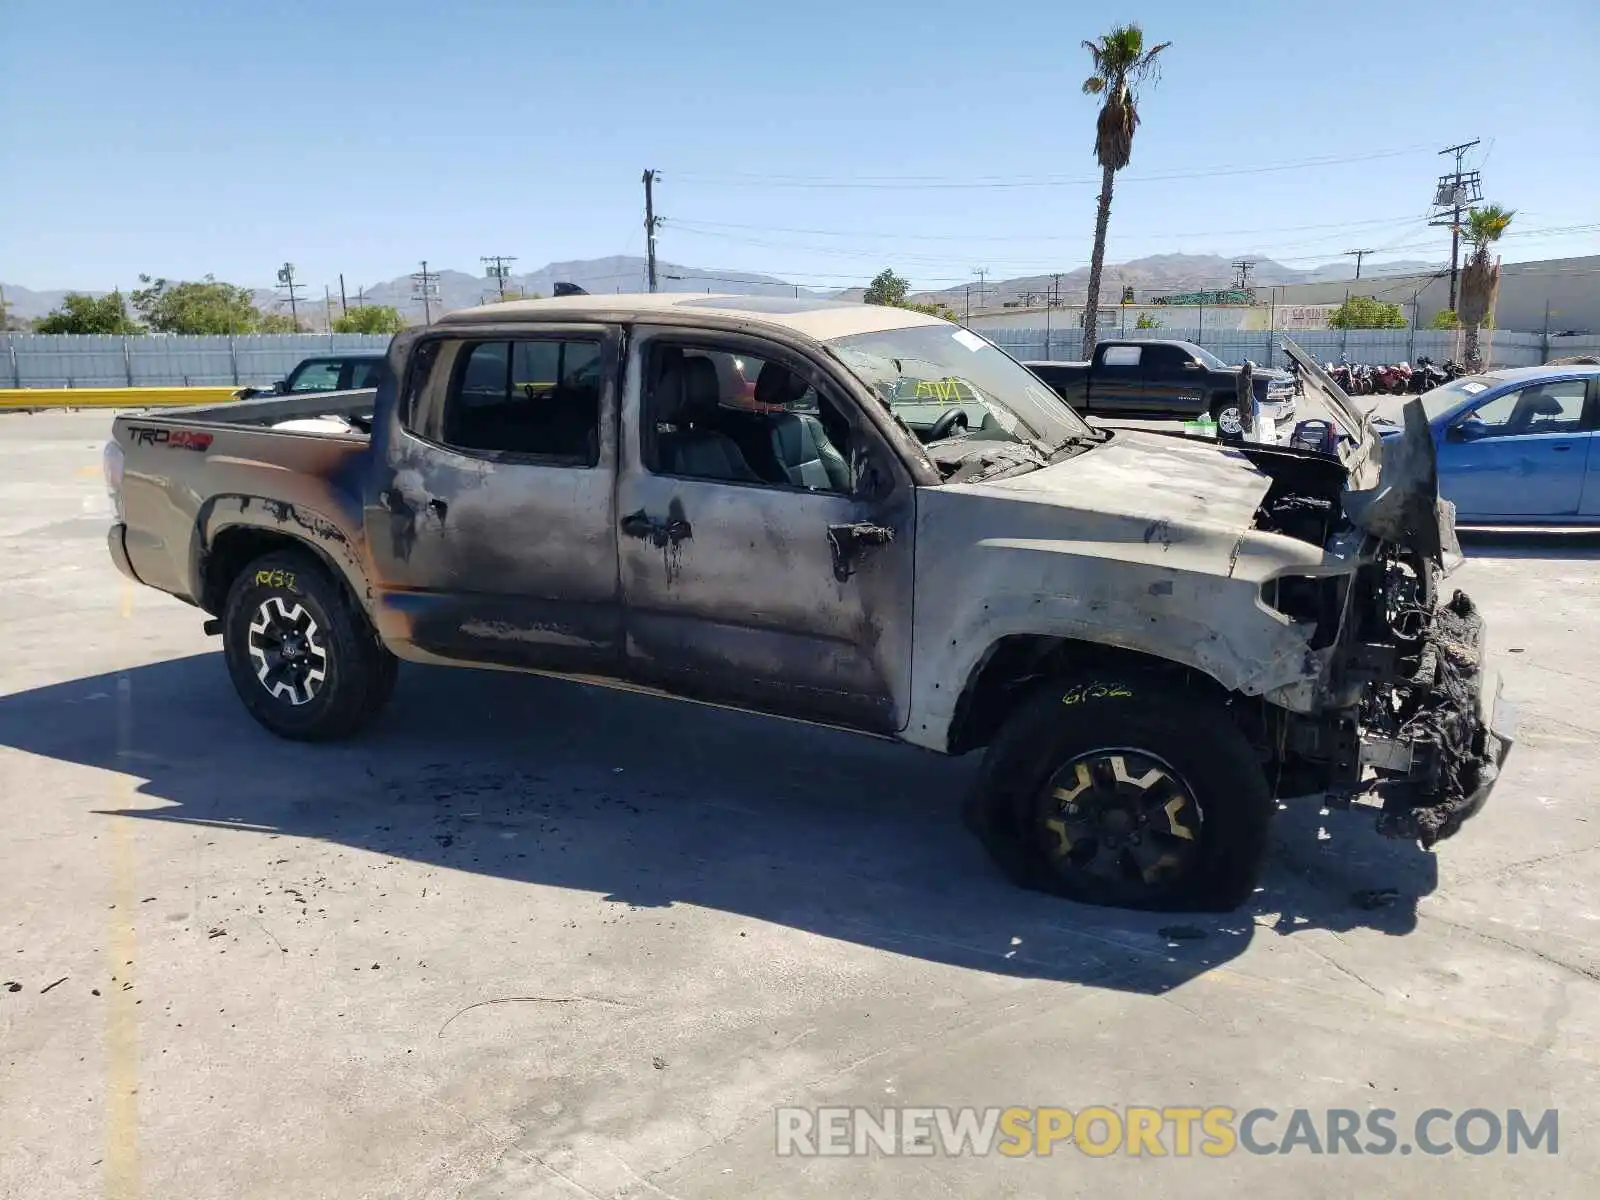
[303, 658]
[1127, 790]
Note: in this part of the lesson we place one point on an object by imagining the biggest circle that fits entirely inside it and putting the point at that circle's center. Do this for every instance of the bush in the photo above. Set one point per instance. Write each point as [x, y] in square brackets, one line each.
[1365, 312]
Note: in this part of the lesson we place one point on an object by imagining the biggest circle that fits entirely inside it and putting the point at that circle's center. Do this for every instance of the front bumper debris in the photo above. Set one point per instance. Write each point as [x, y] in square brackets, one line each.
[1452, 732]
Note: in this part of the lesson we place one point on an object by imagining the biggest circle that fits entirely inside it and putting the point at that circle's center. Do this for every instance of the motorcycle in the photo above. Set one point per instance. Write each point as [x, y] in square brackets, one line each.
[1361, 380]
[1428, 375]
[1392, 378]
[1340, 374]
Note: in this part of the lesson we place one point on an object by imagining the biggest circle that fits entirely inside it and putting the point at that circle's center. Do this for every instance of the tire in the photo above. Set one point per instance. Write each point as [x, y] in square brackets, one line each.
[1232, 421]
[1194, 802]
[336, 677]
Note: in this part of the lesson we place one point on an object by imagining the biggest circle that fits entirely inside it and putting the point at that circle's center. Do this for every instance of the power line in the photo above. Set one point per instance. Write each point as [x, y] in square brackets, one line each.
[936, 181]
[691, 224]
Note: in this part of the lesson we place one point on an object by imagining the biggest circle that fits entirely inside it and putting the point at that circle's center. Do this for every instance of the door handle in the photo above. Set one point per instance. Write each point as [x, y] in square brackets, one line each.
[645, 527]
[638, 525]
[1561, 449]
[848, 543]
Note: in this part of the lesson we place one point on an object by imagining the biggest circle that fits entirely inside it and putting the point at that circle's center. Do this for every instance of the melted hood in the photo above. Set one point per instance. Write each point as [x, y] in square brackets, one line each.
[1156, 477]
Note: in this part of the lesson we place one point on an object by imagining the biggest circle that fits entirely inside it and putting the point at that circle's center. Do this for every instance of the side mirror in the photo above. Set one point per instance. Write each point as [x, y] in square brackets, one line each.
[280, 386]
[1192, 365]
[1469, 430]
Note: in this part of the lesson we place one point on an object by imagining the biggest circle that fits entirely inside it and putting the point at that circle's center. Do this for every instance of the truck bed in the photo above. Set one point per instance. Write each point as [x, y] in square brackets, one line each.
[269, 464]
[353, 408]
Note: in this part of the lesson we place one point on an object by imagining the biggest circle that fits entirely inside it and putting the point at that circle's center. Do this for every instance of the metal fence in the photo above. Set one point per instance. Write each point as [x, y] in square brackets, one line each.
[1500, 348]
[42, 360]
[38, 360]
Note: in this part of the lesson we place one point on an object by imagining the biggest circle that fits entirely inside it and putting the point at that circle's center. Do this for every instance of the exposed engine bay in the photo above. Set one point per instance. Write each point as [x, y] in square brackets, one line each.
[1403, 715]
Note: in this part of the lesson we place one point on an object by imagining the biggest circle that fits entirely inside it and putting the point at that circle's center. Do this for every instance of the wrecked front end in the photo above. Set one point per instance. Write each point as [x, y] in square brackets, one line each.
[1401, 707]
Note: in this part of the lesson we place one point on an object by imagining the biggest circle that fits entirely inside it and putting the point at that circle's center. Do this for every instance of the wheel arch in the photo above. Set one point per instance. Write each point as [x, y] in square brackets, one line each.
[225, 542]
[1015, 664]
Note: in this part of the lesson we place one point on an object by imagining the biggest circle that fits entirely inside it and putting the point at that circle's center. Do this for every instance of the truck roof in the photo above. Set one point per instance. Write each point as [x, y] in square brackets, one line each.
[821, 319]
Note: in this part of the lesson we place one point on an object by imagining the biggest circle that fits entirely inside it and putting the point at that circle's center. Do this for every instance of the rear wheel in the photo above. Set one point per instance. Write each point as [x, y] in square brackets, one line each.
[1125, 790]
[304, 659]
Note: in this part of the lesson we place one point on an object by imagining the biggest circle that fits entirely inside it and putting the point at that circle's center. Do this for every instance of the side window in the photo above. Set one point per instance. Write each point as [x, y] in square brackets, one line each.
[734, 417]
[1168, 360]
[364, 374]
[1121, 356]
[317, 377]
[1538, 408]
[535, 397]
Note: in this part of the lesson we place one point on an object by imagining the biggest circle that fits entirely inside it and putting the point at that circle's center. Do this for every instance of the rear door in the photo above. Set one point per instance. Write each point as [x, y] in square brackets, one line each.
[1521, 456]
[1116, 381]
[490, 506]
[748, 581]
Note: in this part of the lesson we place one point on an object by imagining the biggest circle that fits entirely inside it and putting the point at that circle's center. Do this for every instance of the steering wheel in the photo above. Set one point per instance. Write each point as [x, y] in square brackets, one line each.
[946, 424]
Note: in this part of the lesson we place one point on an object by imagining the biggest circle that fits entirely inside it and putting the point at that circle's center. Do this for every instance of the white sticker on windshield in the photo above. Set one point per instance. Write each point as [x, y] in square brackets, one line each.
[1473, 388]
[969, 339]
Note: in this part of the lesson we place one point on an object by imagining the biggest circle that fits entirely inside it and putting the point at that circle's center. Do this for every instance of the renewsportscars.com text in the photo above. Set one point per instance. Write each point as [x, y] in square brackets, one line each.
[1214, 1132]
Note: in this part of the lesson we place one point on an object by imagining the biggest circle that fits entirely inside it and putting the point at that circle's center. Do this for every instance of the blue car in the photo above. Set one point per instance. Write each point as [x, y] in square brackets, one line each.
[1515, 447]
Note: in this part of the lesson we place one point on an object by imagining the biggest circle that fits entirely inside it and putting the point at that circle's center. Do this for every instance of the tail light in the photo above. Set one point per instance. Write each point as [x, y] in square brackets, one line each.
[111, 466]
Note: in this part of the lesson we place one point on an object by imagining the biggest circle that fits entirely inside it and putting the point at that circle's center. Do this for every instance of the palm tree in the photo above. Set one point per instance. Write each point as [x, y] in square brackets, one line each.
[1121, 63]
[1480, 278]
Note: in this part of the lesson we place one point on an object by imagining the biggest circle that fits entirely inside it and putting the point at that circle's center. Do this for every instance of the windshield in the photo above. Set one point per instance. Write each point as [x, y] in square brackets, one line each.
[1210, 360]
[1447, 395]
[941, 367]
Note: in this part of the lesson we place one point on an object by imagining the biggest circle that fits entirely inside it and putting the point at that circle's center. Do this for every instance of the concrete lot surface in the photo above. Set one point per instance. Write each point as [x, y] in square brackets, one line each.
[531, 939]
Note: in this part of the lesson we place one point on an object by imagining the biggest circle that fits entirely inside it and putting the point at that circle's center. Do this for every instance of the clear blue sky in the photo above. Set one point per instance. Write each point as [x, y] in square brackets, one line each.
[356, 136]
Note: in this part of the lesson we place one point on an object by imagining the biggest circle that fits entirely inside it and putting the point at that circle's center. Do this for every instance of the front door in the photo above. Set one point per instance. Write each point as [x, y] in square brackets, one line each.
[1521, 455]
[489, 513]
[1174, 382]
[765, 541]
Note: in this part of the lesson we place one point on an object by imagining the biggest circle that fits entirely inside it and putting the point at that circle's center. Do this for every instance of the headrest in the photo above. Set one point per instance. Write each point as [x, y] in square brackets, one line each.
[685, 387]
[777, 385]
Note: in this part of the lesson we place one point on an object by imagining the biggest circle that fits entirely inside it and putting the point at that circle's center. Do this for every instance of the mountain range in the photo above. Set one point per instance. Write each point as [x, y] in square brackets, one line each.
[1155, 275]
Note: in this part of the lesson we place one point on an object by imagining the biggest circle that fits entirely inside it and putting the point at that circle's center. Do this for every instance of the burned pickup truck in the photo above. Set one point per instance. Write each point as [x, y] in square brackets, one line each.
[1150, 637]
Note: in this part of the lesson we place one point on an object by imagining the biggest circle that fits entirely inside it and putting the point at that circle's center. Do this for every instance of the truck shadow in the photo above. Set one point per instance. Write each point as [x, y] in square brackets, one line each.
[651, 803]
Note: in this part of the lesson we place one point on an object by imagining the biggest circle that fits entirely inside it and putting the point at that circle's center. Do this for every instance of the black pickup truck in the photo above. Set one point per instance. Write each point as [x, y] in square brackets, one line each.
[1147, 378]
[325, 373]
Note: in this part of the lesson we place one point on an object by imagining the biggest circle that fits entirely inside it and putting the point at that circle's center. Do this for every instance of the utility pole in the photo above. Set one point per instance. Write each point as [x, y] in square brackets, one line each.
[983, 278]
[1359, 255]
[425, 287]
[1242, 269]
[286, 283]
[651, 224]
[498, 270]
[1056, 280]
[327, 306]
[1456, 191]
[343, 307]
